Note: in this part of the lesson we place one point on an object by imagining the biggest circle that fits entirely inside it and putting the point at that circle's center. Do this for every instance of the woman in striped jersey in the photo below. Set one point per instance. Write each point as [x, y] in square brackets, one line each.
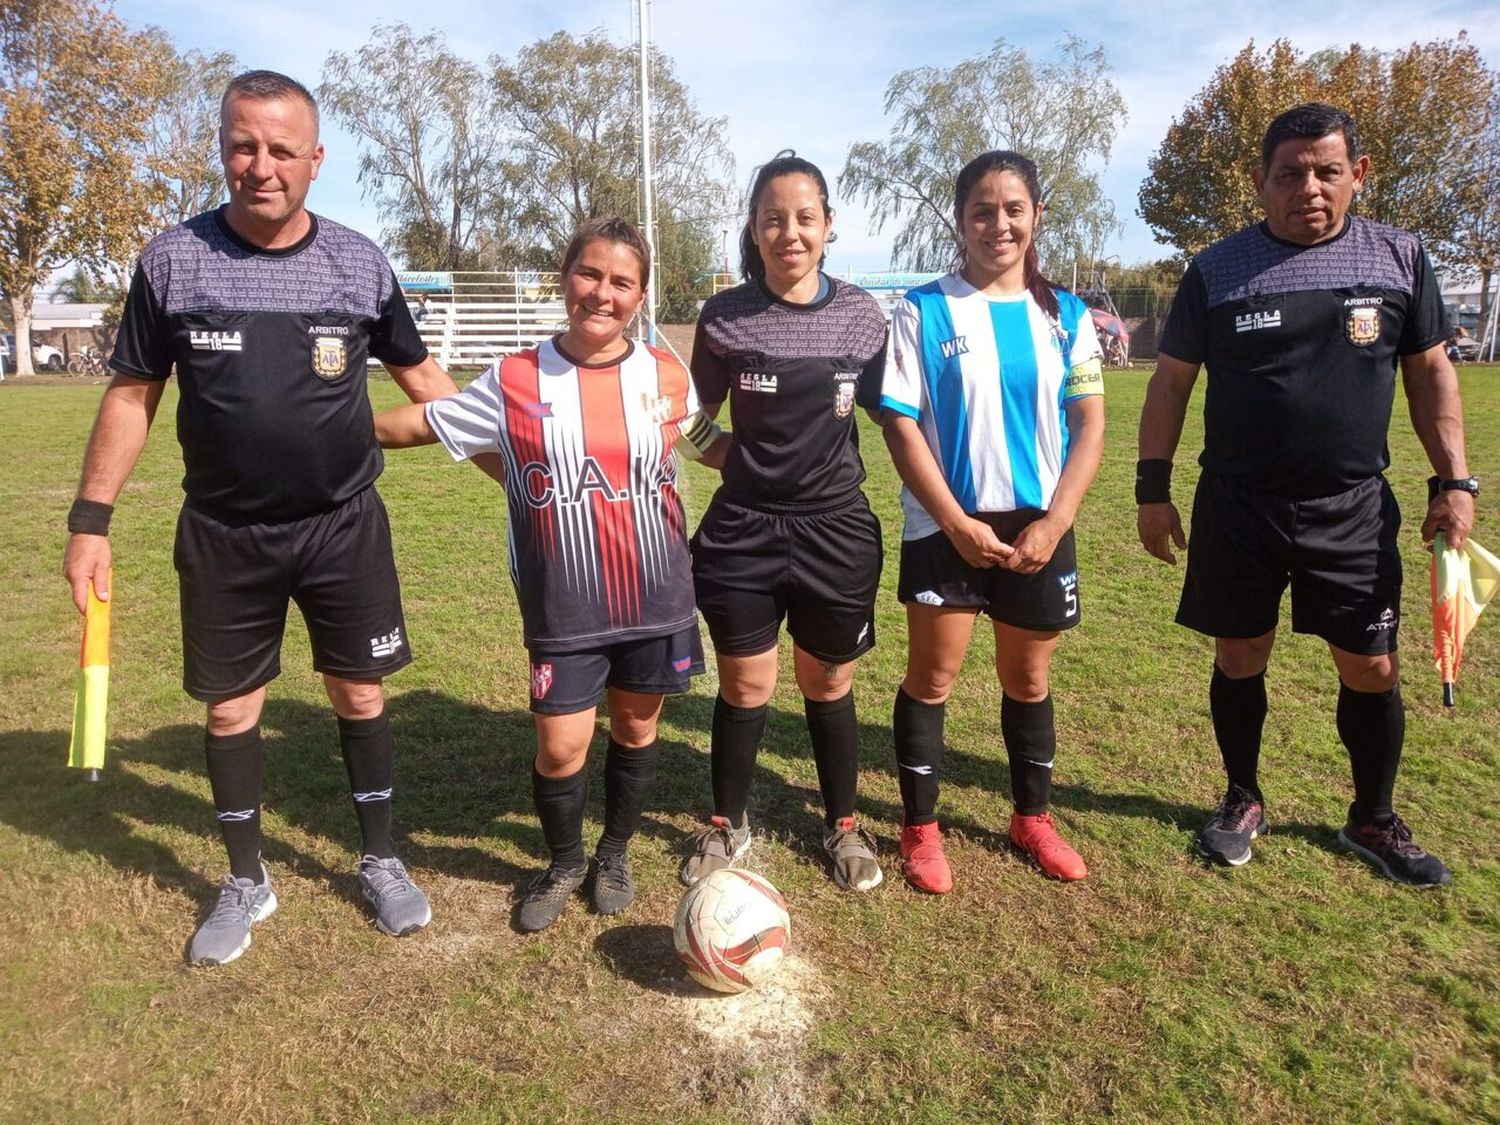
[581, 430]
[994, 416]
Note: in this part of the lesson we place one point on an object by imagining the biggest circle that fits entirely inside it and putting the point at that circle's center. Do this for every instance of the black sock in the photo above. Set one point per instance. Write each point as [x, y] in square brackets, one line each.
[234, 765]
[1031, 743]
[628, 778]
[1372, 725]
[834, 729]
[918, 732]
[735, 742]
[1238, 708]
[559, 806]
[369, 758]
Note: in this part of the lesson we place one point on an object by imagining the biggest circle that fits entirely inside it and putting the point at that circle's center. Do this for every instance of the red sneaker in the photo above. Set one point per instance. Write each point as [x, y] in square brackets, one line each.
[922, 859]
[1037, 837]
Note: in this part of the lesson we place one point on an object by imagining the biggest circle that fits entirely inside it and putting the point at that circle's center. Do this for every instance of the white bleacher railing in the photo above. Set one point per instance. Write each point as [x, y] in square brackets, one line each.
[471, 319]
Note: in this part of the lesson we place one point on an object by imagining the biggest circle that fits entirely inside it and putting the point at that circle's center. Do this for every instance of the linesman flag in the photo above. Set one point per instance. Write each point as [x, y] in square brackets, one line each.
[91, 697]
[1463, 582]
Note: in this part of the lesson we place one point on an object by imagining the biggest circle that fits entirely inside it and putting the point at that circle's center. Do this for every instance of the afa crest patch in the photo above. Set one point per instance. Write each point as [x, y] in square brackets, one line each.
[1363, 326]
[330, 356]
[843, 400]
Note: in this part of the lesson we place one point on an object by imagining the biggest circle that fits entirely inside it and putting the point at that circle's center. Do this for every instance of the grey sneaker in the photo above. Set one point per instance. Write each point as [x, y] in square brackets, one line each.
[851, 853]
[547, 896]
[716, 847]
[613, 888]
[225, 933]
[1240, 818]
[400, 907]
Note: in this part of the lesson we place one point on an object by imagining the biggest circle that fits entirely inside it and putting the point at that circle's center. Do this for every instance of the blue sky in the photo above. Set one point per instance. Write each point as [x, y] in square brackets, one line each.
[811, 75]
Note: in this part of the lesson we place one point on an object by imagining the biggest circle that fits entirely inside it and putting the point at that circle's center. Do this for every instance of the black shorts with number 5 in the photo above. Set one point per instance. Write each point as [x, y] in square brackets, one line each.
[934, 573]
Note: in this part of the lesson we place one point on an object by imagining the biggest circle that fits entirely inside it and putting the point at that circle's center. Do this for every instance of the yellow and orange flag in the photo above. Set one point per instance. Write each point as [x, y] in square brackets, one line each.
[91, 697]
[1463, 582]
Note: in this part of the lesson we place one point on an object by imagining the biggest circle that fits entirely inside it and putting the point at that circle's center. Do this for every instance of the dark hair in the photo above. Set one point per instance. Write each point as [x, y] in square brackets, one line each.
[1313, 120]
[265, 86]
[784, 163]
[609, 228]
[1004, 160]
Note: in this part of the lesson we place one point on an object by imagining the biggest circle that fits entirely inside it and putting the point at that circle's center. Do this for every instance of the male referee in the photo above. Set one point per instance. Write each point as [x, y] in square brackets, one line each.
[269, 315]
[1301, 321]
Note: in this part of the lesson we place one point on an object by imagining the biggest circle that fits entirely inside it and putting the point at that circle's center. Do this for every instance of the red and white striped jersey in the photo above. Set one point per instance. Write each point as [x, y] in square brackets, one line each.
[598, 539]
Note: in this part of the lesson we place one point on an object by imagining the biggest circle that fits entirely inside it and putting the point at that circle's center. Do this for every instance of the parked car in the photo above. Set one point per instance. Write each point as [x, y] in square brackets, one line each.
[1463, 349]
[44, 357]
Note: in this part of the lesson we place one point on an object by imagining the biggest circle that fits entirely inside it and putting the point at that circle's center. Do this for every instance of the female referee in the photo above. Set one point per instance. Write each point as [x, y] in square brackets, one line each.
[994, 417]
[580, 431]
[789, 535]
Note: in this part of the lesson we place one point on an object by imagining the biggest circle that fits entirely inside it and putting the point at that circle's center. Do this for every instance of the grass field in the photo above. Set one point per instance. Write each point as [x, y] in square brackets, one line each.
[1301, 987]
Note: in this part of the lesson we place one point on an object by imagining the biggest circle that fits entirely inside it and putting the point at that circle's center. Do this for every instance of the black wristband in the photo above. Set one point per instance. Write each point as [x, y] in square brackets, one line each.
[89, 517]
[1153, 481]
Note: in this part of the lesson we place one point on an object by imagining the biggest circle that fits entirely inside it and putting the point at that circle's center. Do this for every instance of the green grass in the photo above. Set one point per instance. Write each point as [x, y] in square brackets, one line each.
[1300, 987]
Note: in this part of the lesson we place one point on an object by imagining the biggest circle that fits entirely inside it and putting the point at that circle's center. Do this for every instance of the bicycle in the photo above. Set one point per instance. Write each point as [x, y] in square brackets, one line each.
[87, 361]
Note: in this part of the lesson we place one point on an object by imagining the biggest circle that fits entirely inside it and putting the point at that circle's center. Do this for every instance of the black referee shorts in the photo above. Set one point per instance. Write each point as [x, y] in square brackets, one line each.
[235, 584]
[1338, 553]
[818, 570]
[934, 573]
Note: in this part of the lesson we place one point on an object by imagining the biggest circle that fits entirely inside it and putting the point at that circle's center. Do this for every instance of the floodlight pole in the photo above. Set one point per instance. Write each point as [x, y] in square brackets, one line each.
[648, 202]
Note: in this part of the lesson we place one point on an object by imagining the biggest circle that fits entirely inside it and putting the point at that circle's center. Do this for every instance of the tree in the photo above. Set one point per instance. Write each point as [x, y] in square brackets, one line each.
[73, 84]
[1478, 241]
[1420, 112]
[571, 111]
[182, 141]
[431, 152]
[1063, 113]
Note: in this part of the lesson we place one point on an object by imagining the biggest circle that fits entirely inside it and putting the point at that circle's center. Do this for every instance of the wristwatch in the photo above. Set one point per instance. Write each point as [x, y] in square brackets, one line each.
[1466, 484]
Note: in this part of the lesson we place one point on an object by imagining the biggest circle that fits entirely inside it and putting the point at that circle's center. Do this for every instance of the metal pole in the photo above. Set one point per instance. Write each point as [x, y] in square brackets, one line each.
[648, 203]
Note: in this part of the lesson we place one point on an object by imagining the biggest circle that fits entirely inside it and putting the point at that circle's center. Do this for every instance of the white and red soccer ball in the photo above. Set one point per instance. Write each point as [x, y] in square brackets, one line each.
[732, 930]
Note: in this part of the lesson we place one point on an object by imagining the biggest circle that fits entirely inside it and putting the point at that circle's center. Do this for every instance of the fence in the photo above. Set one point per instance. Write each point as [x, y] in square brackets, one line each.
[471, 319]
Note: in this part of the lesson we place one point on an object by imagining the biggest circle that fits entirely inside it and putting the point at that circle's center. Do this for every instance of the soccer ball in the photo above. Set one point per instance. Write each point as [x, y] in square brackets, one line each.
[732, 930]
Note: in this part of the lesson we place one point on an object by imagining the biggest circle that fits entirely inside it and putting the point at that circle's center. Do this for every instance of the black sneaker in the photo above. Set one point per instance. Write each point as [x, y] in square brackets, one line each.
[1388, 848]
[547, 896]
[613, 889]
[1240, 818]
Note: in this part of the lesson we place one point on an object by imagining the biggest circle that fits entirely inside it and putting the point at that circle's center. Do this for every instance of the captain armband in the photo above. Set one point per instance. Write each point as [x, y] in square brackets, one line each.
[1153, 481]
[1085, 379]
[697, 435]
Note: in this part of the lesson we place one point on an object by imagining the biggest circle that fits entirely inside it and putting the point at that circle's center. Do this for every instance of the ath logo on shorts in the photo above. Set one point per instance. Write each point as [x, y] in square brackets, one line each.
[387, 645]
[1250, 322]
[1387, 620]
[758, 381]
[215, 341]
[1363, 326]
[541, 680]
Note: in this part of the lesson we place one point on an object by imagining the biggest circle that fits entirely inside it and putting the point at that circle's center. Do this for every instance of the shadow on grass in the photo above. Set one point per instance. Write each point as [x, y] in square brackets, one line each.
[644, 955]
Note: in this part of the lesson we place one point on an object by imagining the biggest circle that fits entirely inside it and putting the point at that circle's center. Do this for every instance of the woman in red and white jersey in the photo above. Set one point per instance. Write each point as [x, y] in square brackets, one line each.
[580, 430]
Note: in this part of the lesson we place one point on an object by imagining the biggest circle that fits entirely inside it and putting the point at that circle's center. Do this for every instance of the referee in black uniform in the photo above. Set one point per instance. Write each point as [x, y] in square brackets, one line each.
[268, 315]
[1301, 321]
